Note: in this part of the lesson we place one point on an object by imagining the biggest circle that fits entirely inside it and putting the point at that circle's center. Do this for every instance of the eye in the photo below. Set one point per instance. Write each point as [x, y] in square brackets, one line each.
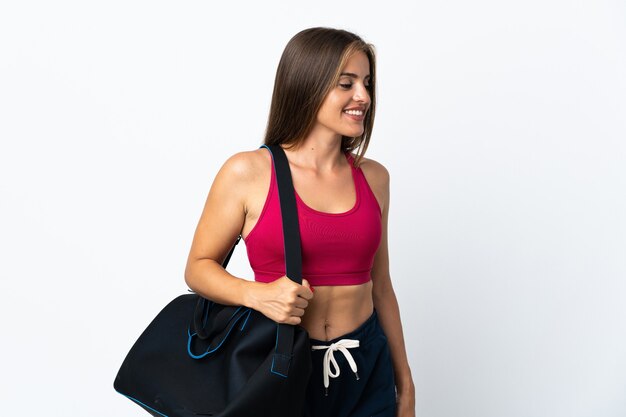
[348, 86]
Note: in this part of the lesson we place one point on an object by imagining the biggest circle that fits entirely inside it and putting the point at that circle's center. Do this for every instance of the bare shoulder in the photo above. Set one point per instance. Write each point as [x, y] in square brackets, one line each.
[243, 174]
[243, 168]
[237, 172]
[377, 177]
[375, 172]
[243, 165]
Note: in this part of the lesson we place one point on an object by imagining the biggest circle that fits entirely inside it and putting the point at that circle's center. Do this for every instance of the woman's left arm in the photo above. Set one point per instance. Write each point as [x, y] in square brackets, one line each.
[386, 303]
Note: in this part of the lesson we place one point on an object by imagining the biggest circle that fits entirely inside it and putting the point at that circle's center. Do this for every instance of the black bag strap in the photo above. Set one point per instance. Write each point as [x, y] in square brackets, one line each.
[293, 261]
[293, 253]
[289, 211]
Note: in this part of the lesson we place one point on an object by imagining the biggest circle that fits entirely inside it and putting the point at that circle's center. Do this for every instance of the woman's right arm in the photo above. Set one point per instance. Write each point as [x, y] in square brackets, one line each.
[220, 223]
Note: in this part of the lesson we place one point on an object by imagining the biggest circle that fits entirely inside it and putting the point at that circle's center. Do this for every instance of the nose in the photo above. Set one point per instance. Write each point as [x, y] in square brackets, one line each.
[361, 94]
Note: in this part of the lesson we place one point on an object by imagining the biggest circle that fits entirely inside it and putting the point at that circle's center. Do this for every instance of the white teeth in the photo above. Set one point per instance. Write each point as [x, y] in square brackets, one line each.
[354, 112]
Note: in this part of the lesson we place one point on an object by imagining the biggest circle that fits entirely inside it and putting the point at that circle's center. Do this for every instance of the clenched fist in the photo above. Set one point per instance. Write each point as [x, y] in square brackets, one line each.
[282, 300]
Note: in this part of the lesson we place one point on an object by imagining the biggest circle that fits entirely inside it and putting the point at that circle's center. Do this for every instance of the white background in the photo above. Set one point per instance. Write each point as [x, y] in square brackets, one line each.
[502, 126]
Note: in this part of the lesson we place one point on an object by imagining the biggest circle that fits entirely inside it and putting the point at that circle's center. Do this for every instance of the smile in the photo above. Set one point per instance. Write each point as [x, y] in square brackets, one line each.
[355, 114]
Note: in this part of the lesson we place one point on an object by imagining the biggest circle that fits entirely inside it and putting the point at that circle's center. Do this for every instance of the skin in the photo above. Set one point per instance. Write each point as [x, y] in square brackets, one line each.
[235, 202]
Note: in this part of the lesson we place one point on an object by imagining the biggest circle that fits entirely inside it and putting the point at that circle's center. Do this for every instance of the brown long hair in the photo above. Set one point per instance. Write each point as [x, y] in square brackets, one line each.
[308, 70]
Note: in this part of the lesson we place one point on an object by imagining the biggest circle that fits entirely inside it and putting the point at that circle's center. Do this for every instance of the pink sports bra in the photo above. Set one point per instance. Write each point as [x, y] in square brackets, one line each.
[337, 248]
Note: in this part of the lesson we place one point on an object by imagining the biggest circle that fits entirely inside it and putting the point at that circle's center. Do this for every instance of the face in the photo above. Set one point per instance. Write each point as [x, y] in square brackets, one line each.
[351, 92]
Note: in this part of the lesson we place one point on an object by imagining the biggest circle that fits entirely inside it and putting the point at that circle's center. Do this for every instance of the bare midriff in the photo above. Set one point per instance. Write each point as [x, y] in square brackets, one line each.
[337, 310]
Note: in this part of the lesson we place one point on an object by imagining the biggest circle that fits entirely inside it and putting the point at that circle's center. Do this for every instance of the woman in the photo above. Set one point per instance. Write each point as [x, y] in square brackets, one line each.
[322, 109]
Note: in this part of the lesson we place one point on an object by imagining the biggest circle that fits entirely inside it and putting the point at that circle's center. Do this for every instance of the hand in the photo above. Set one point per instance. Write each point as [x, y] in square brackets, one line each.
[282, 300]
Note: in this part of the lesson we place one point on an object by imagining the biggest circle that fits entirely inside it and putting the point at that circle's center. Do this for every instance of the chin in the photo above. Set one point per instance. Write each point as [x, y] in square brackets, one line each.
[351, 131]
[354, 131]
[350, 134]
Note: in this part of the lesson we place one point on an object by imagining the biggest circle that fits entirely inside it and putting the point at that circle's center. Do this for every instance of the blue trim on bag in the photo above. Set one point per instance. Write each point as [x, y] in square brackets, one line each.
[143, 405]
[274, 357]
[275, 372]
[245, 321]
[208, 352]
[207, 315]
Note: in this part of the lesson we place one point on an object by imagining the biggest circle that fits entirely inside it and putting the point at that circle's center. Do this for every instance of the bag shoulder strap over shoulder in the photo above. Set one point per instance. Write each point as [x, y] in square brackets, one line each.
[293, 260]
[293, 253]
[289, 210]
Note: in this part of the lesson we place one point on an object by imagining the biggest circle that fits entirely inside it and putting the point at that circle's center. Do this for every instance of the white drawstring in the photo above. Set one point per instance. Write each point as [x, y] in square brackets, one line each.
[343, 345]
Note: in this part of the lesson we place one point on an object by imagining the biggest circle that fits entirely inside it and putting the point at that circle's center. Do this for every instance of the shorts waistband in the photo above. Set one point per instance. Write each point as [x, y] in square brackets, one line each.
[362, 333]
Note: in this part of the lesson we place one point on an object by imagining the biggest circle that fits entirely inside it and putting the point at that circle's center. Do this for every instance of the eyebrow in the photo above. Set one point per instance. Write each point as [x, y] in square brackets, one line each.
[353, 75]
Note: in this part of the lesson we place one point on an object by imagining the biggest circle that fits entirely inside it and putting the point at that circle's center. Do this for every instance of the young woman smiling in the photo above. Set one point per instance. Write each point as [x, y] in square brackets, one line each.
[322, 110]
